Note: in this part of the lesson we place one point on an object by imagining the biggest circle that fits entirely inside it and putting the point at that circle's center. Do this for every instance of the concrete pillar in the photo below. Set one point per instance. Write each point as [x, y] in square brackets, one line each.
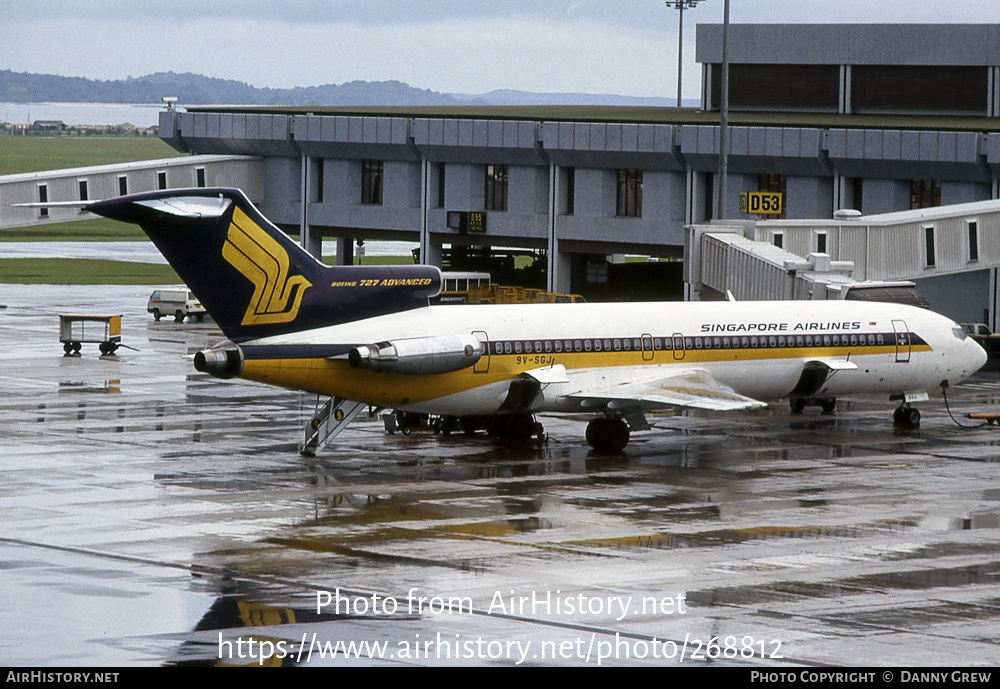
[345, 251]
[430, 255]
[558, 267]
[314, 245]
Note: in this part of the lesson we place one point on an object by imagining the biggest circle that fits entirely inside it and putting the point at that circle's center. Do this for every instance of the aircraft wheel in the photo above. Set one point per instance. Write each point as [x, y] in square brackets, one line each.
[608, 434]
[906, 417]
[68, 348]
[618, 435]
[828, 405]
[105, 348]
[797, 405]
[596, 431]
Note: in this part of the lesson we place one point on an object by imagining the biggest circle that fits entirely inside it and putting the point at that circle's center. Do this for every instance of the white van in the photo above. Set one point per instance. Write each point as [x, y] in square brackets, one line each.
[176, 301]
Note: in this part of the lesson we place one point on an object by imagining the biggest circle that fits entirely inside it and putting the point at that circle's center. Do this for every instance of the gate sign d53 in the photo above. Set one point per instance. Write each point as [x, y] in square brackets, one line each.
[761, 202]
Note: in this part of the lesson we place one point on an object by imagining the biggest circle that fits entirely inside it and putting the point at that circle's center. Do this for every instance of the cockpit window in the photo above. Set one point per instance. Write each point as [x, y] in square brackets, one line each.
[960, 332]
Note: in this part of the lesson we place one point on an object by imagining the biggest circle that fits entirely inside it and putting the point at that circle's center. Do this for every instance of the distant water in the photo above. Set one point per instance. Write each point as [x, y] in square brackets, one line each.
[141, 115]
[145, 252]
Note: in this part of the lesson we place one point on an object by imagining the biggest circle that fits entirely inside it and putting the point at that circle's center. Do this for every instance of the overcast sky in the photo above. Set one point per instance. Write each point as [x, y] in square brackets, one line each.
[626, 47]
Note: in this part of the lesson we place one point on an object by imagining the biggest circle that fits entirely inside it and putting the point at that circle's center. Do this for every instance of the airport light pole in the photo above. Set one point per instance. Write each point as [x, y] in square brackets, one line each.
[680, 6]
[724, 118]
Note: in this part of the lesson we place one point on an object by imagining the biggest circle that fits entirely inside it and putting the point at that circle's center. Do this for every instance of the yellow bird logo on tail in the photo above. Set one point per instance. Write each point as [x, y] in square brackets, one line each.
[263, 261]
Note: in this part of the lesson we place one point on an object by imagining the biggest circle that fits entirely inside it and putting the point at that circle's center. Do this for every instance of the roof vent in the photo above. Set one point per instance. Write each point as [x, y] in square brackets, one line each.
[846, 214]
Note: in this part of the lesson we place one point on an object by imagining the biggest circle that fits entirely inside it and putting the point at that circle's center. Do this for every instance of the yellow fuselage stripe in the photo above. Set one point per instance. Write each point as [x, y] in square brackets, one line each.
[336, 377]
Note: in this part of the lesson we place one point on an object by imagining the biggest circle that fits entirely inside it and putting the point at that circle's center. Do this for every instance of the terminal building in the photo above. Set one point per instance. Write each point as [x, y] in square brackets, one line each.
[876, 118]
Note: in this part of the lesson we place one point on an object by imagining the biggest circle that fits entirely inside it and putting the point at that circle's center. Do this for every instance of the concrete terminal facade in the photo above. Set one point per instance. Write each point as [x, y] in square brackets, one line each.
[877, 118]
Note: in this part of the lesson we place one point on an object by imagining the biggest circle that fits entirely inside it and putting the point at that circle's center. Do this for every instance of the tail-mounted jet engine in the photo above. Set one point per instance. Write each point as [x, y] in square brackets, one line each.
[224, 361]
[419, 355]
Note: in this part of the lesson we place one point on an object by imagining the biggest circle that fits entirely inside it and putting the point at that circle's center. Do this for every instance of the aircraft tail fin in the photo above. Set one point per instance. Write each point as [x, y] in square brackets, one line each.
[252, 278]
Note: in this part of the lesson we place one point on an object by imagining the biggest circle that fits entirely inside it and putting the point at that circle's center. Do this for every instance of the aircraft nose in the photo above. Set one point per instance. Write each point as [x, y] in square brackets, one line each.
[977, 355]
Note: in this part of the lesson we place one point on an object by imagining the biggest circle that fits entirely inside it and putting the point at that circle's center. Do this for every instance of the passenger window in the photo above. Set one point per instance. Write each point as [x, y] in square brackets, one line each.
[618, 345]
[507, 348]
[587, 345]
[558, 345]
[517, 347]
[538, 346]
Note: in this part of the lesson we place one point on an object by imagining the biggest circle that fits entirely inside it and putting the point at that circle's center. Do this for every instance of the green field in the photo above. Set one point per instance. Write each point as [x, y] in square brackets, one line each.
[97, 230]
[37, 153]
[84, 271]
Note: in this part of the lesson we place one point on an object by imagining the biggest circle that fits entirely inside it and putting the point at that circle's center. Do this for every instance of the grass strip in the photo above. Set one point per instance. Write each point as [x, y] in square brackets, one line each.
[84, 271]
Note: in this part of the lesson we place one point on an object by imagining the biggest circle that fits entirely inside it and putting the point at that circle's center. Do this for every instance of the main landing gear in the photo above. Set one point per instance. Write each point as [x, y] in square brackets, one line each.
[798, 404]
[906, 416]
[610, 434]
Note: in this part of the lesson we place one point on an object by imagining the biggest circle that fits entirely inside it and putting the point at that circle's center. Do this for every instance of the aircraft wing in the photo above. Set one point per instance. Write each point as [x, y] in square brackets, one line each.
[691, 388]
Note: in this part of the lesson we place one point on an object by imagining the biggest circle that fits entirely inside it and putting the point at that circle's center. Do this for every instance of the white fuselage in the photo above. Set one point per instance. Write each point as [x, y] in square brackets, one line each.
[756, 349]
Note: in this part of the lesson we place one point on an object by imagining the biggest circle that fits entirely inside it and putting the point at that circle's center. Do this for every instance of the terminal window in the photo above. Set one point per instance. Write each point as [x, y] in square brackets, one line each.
[630, 193]
[777, 184]
[371, 182]
[43, 197]
[972, 227]
[925, 193]
[496, 188]
[929, 245]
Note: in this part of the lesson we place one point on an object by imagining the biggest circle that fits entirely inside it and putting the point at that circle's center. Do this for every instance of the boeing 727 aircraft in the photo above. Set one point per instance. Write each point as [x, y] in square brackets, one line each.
[366, 337]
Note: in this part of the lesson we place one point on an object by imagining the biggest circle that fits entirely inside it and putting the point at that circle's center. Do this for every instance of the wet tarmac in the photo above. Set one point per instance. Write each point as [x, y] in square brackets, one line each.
[155, 516]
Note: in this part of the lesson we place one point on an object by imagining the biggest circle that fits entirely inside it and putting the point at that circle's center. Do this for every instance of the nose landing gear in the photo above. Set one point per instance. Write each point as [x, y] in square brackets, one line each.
[906, 416]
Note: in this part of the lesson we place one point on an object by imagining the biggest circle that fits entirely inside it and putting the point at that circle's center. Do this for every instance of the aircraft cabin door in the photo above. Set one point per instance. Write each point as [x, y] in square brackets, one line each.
[647, 347]
[678, 346]
[483, 365]
[903, 343]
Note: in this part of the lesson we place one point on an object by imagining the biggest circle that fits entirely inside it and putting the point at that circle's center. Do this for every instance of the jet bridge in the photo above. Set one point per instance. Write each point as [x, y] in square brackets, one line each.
[877, 257]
